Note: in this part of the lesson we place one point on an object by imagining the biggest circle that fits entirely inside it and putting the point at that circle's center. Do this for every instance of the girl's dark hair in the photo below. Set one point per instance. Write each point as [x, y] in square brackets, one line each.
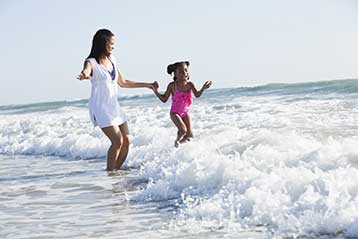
[172, 67]
[99, 41]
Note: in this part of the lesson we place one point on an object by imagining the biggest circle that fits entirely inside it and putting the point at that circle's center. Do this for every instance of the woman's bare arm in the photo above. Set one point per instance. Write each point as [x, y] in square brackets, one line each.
[132, 84]
[86, 71]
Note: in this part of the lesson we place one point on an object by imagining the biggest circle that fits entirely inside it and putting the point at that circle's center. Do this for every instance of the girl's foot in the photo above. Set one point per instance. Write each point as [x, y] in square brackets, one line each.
[176, 143]
[180, 137]
[189, 135]
[184, 139]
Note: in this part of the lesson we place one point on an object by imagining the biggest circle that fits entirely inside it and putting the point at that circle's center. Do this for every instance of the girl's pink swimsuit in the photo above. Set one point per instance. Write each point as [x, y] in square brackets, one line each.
[181, 102]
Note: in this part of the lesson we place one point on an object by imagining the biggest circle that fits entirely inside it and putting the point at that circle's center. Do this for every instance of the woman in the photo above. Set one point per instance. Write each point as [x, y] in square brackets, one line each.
[101, 68]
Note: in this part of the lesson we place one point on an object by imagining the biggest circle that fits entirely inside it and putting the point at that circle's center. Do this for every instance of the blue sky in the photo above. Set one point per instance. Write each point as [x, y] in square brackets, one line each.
[232, 42]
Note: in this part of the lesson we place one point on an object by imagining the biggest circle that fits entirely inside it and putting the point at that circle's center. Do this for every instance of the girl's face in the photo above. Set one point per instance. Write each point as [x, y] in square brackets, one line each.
[181, 72]
[110, 46]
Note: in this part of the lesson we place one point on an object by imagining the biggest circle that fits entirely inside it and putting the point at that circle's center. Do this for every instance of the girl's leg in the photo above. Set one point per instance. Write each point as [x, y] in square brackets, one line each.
[177, 120]
[187, 122]
[115, 136]
[125, 145]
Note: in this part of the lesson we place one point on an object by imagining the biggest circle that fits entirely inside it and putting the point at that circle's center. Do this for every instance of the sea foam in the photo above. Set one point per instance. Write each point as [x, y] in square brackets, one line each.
[279, 159]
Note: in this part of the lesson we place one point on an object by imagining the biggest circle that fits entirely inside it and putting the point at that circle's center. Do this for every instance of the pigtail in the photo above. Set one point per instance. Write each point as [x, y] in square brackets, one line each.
[170, 68]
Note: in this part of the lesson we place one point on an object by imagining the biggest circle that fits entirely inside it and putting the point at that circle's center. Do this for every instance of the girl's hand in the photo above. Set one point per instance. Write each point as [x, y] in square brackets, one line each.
[207, 84]
[154, 86]
[83, 76]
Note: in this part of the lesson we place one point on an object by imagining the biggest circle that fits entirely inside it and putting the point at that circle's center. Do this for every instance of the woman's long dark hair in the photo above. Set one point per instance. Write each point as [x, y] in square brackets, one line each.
[99, 42]
[172, 67]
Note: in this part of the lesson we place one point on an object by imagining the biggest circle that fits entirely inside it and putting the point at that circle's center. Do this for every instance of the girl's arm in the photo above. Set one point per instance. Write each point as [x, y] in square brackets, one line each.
[132, 84]
[163, 97]
[204, 87]
[86, 71]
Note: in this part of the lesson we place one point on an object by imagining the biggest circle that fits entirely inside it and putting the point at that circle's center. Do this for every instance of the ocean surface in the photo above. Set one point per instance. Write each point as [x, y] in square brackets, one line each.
[272, 161]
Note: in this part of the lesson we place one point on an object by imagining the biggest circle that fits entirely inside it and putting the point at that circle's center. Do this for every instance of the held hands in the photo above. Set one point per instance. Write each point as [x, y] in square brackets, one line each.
[154, 86]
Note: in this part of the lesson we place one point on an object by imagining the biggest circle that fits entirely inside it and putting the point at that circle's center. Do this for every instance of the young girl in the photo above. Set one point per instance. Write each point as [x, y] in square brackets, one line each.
[181, 90]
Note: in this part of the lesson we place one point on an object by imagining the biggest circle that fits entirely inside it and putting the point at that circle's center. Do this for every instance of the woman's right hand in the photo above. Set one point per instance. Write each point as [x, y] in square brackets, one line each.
[83, 76]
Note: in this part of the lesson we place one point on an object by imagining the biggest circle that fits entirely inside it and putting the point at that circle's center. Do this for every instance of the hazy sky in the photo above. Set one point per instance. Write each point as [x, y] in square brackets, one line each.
[232, 42]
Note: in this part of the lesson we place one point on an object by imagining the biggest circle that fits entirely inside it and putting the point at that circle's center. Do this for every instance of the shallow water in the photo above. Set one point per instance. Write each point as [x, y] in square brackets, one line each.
[51, 197]
[276, 161]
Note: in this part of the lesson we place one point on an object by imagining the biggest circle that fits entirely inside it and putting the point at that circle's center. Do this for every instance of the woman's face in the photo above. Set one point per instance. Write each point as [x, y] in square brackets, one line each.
[181, 72]
[110, 46]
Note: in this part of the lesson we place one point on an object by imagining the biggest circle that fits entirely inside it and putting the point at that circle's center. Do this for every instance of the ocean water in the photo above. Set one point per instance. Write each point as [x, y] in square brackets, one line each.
[273, 161]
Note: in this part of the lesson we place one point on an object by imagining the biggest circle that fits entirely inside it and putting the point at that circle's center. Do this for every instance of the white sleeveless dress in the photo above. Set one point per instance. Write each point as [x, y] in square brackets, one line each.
[104, 108]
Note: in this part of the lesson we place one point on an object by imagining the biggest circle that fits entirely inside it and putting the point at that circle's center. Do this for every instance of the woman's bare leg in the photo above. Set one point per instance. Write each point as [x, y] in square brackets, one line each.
[125, 145]
[115, 136]
[177, 120]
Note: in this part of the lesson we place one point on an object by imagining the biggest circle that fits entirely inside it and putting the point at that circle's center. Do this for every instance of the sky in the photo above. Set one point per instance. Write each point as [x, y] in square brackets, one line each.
[234, 43]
